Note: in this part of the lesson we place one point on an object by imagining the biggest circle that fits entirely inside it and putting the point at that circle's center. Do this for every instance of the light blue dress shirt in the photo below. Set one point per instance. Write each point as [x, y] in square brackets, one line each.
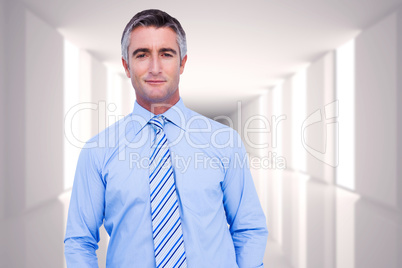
[222, 220]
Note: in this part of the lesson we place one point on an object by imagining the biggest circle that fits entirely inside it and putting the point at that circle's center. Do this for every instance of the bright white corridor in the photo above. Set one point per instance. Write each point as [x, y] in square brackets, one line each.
[314, 88]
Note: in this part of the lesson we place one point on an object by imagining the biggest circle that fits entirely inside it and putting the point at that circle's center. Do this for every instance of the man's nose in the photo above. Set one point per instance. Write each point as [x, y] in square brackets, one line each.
[155, 66]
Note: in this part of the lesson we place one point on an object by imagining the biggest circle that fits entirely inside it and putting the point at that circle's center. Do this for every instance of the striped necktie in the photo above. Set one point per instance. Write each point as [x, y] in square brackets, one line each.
[166, 223]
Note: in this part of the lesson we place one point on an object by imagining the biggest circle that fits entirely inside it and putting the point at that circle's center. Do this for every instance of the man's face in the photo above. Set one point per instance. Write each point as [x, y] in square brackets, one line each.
[154, 65]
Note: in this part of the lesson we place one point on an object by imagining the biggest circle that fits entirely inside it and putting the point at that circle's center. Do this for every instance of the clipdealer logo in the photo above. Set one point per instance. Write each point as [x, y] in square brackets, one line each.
[330, 154]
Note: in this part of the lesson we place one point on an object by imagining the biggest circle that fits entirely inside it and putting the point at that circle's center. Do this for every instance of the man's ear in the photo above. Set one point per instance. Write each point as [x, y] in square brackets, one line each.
[126, 68]
[182, 64]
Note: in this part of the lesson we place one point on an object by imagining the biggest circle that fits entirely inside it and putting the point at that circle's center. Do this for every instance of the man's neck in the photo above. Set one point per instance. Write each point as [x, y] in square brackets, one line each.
[159, 108]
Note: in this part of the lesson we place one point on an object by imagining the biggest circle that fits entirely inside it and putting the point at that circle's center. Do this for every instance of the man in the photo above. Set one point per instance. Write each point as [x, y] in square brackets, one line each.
[169, 185]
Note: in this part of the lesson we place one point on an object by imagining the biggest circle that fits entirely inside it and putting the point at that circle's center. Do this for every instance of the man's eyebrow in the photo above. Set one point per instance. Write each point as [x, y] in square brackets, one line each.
[168, 50]
[138, 50]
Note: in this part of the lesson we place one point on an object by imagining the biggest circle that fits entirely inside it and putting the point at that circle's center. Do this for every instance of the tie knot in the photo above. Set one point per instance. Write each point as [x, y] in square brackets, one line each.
[157, 122]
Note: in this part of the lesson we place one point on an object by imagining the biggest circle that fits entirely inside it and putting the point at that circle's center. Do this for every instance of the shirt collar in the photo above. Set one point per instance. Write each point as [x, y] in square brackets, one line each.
[177, 114]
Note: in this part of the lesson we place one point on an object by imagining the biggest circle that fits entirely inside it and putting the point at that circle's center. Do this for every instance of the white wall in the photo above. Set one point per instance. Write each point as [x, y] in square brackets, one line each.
[255, 131]
[34, 116]
[307, 225]
[2, 132]
[2, 103]
[120, 96]
[98, 93]
[44, 142]
[399, 113]
[378, 144]
[376, 111]
[44, 112]
[15, 137]
[320, 92]
[33, 214]
[320, 144]
[287, 126]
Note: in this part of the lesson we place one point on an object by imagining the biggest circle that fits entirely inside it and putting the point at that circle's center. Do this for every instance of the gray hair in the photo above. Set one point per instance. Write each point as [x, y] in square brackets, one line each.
[156, 18]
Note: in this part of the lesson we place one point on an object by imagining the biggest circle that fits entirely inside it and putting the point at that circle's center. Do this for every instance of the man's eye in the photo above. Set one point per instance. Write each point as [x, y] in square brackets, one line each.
[167, 55]
[140, 56]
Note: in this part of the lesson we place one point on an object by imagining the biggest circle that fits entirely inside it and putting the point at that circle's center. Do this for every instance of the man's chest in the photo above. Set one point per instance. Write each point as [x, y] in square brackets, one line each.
[198, 176]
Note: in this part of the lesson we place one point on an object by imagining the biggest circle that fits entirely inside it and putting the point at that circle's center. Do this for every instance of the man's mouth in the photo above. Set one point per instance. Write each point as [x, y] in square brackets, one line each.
[155, 82]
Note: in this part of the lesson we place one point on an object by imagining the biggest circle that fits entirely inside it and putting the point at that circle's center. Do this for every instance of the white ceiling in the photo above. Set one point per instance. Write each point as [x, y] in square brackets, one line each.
[236, 50]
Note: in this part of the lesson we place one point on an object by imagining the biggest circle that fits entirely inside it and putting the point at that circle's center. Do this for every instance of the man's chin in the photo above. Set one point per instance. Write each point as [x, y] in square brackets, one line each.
[158, 98]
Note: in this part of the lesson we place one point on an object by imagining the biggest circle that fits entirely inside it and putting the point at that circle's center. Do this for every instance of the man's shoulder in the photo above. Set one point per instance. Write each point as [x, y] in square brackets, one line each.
[218, 135]
[110, 136]
[195, 117]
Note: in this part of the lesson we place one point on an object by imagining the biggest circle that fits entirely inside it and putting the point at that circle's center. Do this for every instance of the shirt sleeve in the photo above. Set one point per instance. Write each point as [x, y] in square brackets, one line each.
[243, 211]
[86, 213]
